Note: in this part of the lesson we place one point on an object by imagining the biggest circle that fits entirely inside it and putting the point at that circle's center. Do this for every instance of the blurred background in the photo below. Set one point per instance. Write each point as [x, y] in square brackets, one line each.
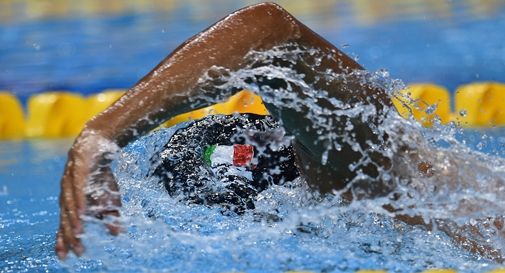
[88, 46]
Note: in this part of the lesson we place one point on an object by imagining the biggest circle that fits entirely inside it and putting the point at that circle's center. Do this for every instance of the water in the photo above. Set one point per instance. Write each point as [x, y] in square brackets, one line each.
[29, 204]
[321, 233]
[162, 234]
[448, 43]
[316, 233]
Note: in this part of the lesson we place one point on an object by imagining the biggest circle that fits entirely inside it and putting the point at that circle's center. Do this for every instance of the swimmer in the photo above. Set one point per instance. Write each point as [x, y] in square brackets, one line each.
[88, 186]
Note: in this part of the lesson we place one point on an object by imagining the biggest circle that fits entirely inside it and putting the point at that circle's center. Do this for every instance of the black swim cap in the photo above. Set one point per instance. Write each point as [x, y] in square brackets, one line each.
[183, 165]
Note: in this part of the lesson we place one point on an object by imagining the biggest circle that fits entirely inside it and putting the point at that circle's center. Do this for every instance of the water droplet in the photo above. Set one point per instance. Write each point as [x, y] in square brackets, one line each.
[463, 113]
[431, 109]
[324, 157]
[480, 145]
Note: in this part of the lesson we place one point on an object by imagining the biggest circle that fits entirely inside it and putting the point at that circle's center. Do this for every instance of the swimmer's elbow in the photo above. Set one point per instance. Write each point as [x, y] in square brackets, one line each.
[272, 14]
[266, 7]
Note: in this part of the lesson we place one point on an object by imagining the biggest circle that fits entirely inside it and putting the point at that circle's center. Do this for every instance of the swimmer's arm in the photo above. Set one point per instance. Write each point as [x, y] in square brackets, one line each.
[165, 92]
[168, 89]
[466, 236]
[453, 172]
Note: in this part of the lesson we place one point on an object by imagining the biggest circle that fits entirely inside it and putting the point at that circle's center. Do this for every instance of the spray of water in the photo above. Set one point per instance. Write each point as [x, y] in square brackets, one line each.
[458, 191]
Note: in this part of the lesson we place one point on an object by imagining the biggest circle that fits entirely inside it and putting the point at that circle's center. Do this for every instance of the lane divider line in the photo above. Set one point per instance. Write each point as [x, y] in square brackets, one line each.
[63, 114]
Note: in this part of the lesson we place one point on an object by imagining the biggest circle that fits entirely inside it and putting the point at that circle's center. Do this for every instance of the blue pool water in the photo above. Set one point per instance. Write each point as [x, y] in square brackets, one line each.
[200, 239]
[29, 208]
[450, 43]
[88, 53]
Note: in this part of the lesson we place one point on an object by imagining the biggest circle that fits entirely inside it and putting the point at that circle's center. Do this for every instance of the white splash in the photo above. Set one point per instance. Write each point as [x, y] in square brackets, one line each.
[293, 227]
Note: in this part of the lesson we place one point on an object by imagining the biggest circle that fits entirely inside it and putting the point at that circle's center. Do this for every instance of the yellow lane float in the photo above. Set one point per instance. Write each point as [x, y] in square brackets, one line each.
[425, 102]
[63, 114]
[12, 121]
[55, 114]
[480, 105]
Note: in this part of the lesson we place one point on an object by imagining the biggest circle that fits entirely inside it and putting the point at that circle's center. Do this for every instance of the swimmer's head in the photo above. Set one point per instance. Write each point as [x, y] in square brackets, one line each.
[244, 152]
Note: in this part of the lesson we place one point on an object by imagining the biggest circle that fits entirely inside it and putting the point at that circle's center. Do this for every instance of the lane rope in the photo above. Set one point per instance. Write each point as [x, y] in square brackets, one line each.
[57, 114]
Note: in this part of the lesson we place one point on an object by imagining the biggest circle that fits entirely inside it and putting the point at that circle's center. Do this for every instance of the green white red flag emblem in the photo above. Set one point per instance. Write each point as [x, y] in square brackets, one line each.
[237, 155]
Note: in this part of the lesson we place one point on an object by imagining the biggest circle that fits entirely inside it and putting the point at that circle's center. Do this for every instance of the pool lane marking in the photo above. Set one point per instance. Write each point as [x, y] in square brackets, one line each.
[63, 114]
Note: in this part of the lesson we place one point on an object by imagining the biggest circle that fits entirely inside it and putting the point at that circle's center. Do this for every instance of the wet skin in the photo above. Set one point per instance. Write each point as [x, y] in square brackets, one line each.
[88, 186]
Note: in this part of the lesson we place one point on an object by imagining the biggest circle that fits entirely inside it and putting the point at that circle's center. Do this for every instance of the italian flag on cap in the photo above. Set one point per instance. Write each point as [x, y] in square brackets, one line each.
[237, 155]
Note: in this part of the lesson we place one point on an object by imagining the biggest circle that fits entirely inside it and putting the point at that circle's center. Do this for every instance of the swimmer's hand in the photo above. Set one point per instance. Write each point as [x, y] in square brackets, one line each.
[88, 188]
